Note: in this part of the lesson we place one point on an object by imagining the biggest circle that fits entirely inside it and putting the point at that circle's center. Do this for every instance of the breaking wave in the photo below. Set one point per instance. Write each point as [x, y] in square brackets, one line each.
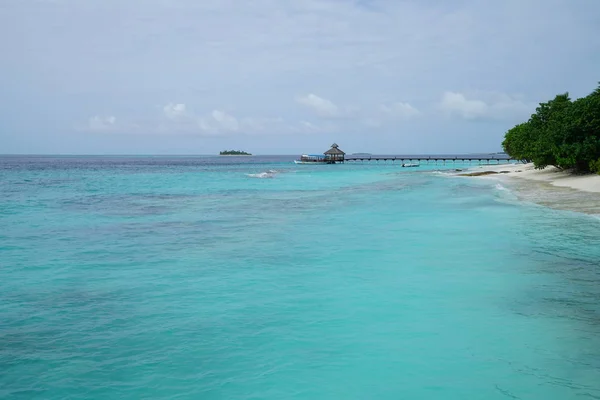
[264, 175]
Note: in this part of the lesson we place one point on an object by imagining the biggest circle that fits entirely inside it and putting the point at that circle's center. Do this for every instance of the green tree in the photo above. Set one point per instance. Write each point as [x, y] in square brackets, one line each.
[517, 142]
[562, 133]
[547, 126]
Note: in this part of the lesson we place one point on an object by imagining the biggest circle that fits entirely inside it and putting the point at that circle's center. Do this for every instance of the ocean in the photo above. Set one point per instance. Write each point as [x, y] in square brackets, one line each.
[254, 278]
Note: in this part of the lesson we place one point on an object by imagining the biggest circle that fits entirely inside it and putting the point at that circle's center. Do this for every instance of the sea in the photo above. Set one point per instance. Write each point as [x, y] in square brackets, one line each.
[143, 277]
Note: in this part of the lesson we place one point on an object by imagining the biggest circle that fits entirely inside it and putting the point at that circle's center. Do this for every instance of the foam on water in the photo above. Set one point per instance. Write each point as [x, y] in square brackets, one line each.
[268, 174]
[162, 278]
[555, 197]
[261, 175]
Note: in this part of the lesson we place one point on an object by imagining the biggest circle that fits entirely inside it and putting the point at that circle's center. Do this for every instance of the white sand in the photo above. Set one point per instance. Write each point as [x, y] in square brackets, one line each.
[551, 175]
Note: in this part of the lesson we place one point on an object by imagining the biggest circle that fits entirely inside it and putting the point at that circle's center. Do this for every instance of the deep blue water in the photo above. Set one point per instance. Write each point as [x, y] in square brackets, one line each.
[254, 278]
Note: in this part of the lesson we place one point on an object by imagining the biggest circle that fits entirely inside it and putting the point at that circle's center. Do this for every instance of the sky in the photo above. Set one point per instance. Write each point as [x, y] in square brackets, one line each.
[285, 76]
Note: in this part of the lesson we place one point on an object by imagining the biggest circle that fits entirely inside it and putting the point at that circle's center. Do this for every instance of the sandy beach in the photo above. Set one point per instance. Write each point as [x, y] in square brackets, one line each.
[549, 187]
[550, 175]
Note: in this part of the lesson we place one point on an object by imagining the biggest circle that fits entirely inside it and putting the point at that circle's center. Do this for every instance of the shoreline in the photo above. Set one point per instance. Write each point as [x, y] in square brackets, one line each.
[549, 187]
[589, 183]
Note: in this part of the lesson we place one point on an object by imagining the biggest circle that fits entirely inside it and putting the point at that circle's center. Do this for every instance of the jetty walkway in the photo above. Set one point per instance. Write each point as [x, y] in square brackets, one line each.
[434, 159]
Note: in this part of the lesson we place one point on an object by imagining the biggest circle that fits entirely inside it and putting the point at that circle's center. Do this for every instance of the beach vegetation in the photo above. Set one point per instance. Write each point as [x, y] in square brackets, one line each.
[595, 166]
[562, 133]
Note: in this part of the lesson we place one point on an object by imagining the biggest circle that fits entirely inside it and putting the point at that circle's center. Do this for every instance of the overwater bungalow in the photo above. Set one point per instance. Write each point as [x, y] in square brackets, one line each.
[332, 156]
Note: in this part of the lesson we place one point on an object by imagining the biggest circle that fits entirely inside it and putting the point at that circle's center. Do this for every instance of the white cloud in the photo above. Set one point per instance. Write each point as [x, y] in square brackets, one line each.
[457, 103]
[400, 110]
[98, 123]
[181, 120]
[174, 111]
[225, 121]
[389, 114]
[497, 106]
[218, 122]
[322, 107]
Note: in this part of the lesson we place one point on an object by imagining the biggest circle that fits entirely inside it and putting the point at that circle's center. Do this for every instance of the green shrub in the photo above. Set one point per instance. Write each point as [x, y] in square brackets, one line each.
[561, 132]
[595, 166]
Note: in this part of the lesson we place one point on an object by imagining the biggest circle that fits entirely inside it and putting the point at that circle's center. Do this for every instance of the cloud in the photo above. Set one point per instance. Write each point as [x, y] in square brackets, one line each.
[174, 111]
[369, 115]
[322, 107]
[98, 123]
[221, 123]
[457, 103]
[218, 122]
[493, 106]
[225, 121]
[332, 118]
[181, 120]
[387, 115]
[399, 110]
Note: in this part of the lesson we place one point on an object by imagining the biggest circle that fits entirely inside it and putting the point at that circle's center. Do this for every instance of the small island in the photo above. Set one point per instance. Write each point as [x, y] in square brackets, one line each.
[234, 153]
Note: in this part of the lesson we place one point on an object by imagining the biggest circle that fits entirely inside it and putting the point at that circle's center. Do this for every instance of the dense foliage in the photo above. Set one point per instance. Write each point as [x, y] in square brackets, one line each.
[562, 133]
[234, 153]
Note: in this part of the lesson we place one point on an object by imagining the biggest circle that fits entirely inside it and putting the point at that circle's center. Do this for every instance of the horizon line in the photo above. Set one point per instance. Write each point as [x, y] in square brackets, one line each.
[219, 155]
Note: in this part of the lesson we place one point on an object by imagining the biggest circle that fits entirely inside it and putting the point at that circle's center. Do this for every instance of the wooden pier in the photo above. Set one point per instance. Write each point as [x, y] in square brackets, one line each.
[335, 155]
[434, 159]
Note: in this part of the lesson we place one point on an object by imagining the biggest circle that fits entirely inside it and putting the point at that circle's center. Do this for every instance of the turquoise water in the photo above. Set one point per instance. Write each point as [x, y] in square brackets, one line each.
[254, 278]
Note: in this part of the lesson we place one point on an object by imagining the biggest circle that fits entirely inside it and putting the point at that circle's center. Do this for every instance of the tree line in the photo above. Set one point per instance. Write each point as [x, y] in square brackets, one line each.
[234, 153]
[562, 133]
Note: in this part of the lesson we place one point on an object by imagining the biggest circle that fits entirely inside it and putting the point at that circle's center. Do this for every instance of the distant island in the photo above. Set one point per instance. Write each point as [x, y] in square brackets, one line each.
[234, 153]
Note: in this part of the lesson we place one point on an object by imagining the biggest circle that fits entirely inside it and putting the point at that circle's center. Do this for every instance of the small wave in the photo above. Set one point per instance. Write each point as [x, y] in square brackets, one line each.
[444, 173]
[262, 175]
[506, 195]
[451, 173]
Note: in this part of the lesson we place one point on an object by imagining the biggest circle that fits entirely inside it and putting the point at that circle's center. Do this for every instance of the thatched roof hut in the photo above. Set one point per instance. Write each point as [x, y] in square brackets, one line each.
[334, 153]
